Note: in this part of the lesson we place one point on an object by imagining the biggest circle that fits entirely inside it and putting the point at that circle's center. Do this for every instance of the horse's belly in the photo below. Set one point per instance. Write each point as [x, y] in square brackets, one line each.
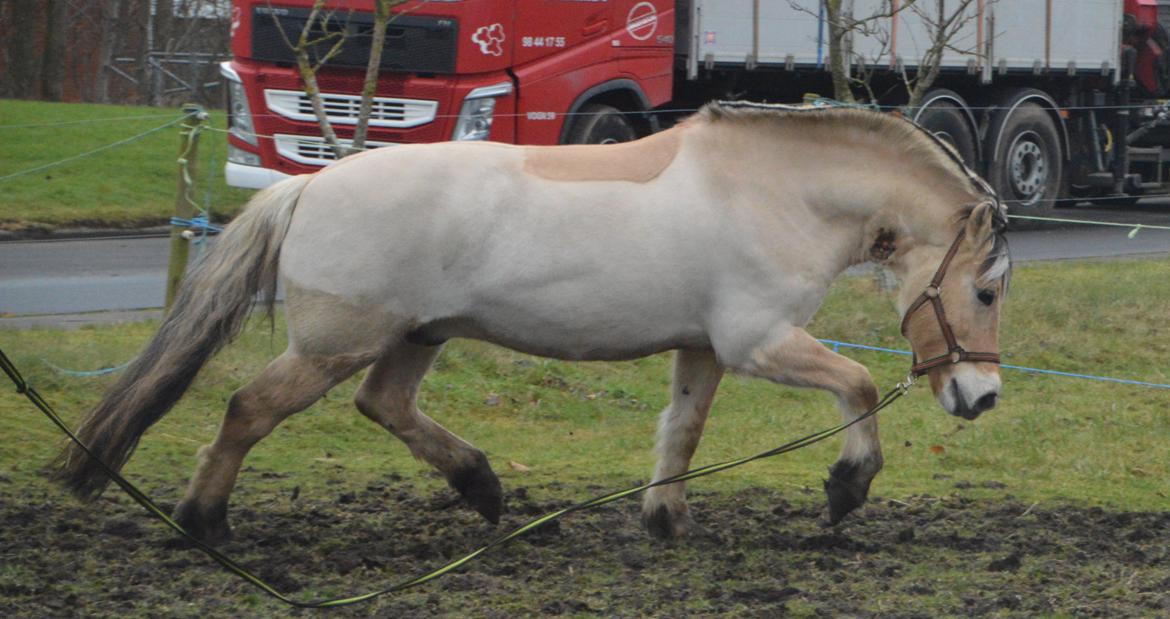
[582, 341]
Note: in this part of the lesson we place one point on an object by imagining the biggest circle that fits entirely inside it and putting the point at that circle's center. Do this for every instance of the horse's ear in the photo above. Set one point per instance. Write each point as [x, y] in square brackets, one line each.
[981, 223]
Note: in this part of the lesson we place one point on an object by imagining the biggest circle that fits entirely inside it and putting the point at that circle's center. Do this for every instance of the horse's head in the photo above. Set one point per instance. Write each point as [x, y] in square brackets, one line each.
[951, 304]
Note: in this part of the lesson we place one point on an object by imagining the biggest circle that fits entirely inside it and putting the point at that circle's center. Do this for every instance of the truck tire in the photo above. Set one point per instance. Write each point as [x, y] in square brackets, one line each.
[1025, 167]
[945, 120]
[598, 123]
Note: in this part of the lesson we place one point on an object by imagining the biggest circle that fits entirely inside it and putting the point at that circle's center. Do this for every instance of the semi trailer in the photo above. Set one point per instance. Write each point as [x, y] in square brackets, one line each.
[1053, 101]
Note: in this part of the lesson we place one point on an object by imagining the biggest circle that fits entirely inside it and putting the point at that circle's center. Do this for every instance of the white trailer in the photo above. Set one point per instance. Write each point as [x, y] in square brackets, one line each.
[1035, 94]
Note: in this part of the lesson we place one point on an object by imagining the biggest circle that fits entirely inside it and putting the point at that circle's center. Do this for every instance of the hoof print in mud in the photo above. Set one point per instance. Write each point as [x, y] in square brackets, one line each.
[844, 491]
[479, 486]
[209, 526]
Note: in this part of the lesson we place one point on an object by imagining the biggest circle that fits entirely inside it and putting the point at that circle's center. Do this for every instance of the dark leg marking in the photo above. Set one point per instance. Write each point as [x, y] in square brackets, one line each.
[666, 524]
[209, 525]
[659, 523]
[480, 487]
[847, 488]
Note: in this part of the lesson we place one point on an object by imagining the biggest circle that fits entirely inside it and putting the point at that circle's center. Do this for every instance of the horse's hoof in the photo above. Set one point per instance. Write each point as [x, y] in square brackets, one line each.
[845, 491]
[209, 526]
[663, 523]
[480, 487]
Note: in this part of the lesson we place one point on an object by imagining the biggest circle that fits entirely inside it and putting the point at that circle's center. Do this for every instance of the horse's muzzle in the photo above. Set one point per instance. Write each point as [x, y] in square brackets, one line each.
[971, 409]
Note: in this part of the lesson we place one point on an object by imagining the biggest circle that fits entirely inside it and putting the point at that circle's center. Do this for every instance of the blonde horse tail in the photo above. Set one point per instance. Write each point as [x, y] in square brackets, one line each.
[209, 310]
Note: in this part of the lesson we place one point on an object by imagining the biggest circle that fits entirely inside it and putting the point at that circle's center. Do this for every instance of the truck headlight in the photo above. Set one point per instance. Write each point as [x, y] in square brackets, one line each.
[239, 114]
[475, 117]
[242, 157]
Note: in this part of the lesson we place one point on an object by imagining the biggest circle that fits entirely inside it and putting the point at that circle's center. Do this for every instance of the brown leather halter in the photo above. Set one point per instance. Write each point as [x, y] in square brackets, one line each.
[932, 294]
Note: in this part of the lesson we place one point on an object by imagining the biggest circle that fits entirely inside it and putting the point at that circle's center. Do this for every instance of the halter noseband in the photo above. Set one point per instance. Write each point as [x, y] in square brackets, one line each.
[955, 353]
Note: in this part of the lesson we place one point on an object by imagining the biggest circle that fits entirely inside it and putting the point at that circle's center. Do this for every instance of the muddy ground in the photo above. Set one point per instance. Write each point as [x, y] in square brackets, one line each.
[766, 554]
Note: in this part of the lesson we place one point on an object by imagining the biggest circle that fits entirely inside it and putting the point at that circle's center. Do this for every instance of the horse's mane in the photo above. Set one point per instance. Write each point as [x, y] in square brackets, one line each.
[919, 145]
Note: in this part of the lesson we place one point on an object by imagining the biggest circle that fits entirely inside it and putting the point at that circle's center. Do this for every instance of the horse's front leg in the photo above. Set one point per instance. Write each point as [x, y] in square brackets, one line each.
[696, 376]
[793, 357]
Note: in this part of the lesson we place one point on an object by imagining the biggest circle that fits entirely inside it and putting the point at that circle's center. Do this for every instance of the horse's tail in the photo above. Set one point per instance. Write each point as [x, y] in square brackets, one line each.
[208, 312]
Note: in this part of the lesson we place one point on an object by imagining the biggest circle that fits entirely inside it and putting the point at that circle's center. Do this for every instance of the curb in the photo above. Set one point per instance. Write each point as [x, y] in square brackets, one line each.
[61, 234]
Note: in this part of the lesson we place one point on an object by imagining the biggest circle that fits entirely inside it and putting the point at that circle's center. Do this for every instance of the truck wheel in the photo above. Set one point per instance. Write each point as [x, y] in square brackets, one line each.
[945, 120]
[597, 123]
[1025, 168]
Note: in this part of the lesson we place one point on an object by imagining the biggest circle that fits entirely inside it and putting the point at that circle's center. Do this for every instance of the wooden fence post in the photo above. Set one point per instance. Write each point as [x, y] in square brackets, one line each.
[188, 152]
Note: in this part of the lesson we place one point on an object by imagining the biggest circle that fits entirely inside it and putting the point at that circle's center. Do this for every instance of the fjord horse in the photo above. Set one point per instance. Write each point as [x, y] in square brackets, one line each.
[717, 238]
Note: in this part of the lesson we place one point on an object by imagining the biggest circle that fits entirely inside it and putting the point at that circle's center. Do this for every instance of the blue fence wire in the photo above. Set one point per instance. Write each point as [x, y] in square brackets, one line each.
[837, 346]
[86, 373]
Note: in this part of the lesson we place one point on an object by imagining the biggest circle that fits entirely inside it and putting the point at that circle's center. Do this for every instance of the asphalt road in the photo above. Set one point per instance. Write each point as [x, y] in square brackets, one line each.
[56, 282]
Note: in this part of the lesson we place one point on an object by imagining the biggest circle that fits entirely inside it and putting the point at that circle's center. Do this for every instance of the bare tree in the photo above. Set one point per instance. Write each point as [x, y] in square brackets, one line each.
[319, 19]
[335, 36]
[24, 61]
[843, 25]
[106, 46]
[943, 25]
[56, 33]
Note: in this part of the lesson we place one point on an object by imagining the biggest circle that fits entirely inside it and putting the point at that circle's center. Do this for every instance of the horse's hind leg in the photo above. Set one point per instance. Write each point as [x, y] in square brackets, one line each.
[291, 383]
[696, 376]
[388, 397]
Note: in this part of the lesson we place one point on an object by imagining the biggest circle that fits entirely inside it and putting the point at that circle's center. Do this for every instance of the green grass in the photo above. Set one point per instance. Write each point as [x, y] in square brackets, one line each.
[1054, 444]
[1051, 439]
[126, 186]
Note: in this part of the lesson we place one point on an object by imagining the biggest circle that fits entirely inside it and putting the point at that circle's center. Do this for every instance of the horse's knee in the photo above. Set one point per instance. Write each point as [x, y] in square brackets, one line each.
[859, 391]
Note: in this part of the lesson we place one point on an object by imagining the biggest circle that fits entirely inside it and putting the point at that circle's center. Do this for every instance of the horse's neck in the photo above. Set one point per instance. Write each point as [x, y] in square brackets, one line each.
[842, 187]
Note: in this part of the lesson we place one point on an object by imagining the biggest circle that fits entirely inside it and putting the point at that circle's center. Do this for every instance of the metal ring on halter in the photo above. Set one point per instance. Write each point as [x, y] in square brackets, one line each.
[933, 295]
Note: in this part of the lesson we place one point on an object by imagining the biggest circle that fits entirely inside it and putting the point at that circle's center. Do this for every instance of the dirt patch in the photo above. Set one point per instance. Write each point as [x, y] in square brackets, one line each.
[763, 554]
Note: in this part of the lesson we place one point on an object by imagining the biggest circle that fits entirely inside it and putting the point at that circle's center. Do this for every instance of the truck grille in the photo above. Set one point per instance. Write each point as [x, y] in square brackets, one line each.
[310, 150]
[343, 109]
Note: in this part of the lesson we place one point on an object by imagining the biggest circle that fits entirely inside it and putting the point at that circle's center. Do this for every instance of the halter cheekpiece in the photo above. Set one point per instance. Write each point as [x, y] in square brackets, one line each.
[932, 294]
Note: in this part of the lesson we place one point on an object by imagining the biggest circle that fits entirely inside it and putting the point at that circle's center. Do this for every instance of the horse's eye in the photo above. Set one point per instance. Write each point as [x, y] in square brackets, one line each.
[986, 297]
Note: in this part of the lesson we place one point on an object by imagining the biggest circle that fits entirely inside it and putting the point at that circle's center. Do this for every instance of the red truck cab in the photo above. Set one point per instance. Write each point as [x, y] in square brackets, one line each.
[515, 71]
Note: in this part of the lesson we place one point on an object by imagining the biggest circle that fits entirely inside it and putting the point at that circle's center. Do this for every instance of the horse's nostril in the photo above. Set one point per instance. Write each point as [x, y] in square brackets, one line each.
[986, 402]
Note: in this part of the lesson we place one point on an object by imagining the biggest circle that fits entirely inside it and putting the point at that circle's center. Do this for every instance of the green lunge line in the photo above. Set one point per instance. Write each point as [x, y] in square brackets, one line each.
[228, 563]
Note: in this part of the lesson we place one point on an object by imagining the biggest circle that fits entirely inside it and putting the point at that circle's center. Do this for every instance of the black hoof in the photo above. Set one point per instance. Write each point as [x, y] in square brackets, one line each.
[480, 487]
[209, 525]
[665, 524]
[845, 489]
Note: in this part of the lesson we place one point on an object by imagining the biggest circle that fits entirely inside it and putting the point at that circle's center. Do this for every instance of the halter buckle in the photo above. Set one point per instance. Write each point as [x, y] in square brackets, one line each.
[931, 292]
[956, 355]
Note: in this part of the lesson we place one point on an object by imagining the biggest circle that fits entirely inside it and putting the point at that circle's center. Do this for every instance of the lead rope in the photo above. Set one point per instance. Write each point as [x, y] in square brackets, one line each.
[22, 387]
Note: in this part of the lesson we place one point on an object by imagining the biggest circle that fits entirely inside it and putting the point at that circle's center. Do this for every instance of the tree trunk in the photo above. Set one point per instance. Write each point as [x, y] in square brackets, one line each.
[24, 63]
[838, 56]
[309, 75]
[56, 33]
[106, 44]
[139, 17]
[373, 66]
[164, 32]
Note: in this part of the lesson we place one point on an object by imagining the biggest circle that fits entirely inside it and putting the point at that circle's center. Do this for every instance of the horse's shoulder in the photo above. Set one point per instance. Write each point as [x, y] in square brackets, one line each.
[638, 161]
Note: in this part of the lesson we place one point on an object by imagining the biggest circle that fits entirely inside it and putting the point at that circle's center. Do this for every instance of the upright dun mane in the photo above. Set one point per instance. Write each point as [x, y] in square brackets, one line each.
[920, 146]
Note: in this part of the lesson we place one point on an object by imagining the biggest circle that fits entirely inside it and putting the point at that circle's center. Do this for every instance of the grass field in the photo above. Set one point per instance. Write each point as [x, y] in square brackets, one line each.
[1057, 452]
[126, 186]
